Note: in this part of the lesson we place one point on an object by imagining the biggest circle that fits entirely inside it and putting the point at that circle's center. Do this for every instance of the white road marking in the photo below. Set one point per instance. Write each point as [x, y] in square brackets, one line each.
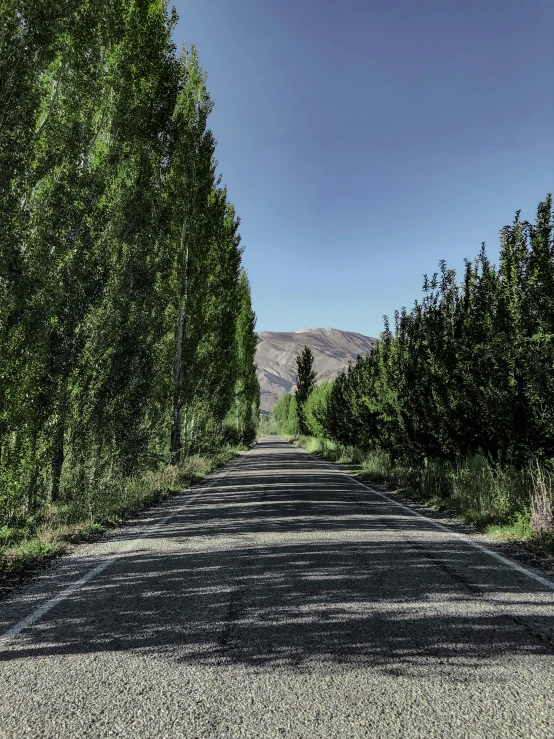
[504, 560]
[45, 607]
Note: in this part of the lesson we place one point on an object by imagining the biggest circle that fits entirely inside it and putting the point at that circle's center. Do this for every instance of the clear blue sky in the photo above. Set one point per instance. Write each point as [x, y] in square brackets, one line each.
[362, 141]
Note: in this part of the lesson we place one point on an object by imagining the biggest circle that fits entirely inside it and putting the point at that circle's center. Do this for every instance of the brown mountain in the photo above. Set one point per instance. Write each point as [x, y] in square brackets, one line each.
[277, 351]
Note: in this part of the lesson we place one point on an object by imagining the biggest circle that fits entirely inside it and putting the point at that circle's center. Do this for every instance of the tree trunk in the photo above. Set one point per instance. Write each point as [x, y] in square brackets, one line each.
[31, 490]
[186, 431]
[58, 453]
[176, 426]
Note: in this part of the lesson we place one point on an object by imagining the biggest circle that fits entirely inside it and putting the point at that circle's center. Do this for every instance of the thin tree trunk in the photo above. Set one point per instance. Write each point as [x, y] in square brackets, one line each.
[31, 490]
[58, 454]
[52, 103]
[176, 426]
[185, 443]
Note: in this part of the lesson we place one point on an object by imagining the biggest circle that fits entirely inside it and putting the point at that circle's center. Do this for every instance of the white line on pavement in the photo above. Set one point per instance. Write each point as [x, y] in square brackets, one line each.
[45, 607]
[504, 560]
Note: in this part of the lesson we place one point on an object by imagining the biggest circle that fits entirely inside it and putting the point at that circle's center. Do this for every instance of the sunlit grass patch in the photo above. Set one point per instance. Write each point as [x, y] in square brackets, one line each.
[26, 553]
[518, 530]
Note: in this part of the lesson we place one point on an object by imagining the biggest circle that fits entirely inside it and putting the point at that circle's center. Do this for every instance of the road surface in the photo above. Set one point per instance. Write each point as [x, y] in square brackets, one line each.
[282, 599]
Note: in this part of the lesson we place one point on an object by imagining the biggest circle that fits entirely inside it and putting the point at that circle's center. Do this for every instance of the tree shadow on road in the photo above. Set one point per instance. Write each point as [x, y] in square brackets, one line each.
[287, 563]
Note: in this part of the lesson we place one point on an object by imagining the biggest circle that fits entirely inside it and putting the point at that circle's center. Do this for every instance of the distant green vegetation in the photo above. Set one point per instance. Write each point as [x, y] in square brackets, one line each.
[126, 327]
[456, 403]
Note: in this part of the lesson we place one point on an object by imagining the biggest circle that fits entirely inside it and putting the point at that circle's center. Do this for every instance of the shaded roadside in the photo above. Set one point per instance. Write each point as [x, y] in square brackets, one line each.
[527, 550]
[66, 526]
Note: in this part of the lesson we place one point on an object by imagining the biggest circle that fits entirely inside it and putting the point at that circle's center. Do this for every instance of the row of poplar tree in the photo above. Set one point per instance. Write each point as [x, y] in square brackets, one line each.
[469, 370]
[126, 327]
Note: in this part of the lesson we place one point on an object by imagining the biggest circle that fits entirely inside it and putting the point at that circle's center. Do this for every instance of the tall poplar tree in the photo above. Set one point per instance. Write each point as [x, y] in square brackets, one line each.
[247, 388]
[119, 252]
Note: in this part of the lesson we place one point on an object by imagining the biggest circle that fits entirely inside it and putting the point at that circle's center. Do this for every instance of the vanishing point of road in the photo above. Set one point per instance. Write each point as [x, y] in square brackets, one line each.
[280, 599]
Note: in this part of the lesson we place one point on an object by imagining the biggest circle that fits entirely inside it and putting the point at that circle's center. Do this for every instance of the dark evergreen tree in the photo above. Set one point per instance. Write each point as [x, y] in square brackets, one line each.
[305, 383]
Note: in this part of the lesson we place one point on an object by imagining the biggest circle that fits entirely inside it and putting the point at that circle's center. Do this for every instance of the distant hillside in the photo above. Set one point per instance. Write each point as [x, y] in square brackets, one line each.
[277, 352]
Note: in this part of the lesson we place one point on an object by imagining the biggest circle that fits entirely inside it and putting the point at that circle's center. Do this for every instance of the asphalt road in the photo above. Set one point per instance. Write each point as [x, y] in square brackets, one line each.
[285, 600]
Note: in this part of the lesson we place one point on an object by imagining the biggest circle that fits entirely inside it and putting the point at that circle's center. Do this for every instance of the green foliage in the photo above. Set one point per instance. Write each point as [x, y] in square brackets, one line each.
[468, 370]
[281, 409]
[293, 419]
[465, 375]
[247, 387]
[125, 331]
[267, 426]
[285, 415]
[315, 409]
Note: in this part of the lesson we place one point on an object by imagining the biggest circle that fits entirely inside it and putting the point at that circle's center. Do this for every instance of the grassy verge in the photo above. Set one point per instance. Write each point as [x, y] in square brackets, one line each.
[49, 534]
[495, 502]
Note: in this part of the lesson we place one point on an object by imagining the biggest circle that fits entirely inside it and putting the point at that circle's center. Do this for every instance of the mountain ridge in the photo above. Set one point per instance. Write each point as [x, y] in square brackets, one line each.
[276, 356]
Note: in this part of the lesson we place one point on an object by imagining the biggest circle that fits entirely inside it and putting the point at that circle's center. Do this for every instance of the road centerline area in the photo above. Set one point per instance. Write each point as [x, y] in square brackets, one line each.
[290, 600]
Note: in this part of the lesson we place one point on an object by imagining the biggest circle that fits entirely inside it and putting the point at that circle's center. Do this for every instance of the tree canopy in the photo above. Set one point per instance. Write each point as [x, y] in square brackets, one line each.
[126, 330]
[467, 371]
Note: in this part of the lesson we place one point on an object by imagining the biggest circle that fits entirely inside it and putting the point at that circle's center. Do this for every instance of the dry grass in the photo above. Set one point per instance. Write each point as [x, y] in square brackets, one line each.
[542, 505]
